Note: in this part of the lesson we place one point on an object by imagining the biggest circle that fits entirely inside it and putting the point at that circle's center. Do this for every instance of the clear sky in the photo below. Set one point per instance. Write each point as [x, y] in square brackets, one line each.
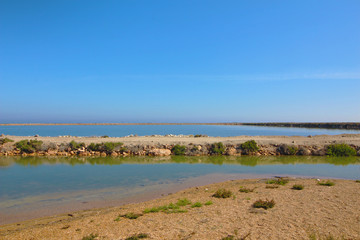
[179, 61]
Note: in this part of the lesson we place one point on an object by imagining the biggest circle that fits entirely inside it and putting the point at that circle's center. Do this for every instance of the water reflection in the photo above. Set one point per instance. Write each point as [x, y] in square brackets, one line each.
[216, 160]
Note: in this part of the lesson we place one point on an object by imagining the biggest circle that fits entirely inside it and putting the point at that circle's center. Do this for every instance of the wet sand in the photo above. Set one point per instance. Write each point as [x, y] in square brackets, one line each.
[321, 211]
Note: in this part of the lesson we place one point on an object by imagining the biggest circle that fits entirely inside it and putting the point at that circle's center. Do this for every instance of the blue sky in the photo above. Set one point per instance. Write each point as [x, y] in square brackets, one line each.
[179, 61]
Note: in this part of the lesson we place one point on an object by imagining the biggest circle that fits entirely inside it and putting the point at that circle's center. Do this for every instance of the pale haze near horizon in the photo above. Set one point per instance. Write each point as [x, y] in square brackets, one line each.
[179, 61]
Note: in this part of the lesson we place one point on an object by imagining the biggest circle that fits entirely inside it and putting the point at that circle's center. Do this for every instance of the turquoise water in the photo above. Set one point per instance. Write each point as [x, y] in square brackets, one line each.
[30, 183]
[141, 130]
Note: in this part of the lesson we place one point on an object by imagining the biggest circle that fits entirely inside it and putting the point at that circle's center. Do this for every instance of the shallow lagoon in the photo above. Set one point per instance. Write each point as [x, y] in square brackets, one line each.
[38, 186]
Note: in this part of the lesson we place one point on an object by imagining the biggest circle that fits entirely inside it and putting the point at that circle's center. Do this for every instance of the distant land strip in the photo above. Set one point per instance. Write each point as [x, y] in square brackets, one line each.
[327, 125]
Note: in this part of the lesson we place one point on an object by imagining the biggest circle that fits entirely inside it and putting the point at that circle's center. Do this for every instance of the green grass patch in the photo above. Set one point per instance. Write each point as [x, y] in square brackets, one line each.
[90, 237]
[197, 204]
[297, 187]
[272, 186]
[278, 181]
[178, 149]
[208, 203]
[222, 193]
[29, 146]
[217, 148]
[131, 215]
[326, 183]
[340, 150]
[246, 190]
[183, 202]
[137, 236]
[5, 140]
[265, 204]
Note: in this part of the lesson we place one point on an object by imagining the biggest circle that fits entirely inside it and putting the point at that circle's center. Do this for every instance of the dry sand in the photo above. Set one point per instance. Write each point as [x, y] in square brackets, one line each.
[319, 140]
[320, 211]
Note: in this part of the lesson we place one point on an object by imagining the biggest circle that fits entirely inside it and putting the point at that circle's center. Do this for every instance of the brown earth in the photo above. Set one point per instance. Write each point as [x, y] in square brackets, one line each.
[316, 212]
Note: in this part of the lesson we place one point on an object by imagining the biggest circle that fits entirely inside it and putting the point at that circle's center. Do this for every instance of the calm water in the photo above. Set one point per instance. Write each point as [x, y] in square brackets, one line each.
[141, 130]
[39, 186]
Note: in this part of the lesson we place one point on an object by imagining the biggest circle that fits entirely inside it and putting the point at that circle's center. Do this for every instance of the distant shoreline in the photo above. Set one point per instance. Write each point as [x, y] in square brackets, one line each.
[325, 125]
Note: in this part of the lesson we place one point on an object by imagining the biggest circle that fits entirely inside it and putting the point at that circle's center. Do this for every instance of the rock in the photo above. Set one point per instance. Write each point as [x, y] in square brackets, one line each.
[304, 151]
[36, 135]
[159, 152]
[103, 154]
[114, 154]
[231, 151]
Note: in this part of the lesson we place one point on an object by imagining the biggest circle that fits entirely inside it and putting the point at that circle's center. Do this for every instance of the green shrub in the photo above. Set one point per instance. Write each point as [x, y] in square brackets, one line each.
[27, 146]
[178, 150]
[265, 204]
[272, 186]
[137, 236]
[326, 183]
[90, 237]
[340, 150]
[292, 150]
[94, 147]
[278, 181]
[358, 181]
[208, 203]
[107, 147]
[5, 140]
[298, 187]
[222, 193]
[75, 145]
[197, 204]
[250, 146]
[217, 148]
[200, 135]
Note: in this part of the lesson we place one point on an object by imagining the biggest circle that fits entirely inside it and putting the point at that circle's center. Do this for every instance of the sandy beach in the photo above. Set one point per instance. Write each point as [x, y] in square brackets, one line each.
[316, 212]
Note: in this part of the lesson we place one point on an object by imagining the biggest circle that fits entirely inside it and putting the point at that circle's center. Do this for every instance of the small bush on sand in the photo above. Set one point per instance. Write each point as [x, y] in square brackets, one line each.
[90, 237]
[292, 150]
[246, 190]
[131, 215]
[107, 147]
[200, 135]
[265, 204]
[222, 193]
[250, 146]
[278, 181]
[137, 236]
[217, 148]
[298, 187]
[358, 181]
[178, 150]
[5, 140]
[29, 146]
[340, 150]
[326, 183]
[208, 203]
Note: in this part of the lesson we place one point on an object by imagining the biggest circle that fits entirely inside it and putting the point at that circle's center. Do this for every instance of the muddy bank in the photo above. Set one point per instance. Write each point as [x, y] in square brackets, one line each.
[188, 145]
[315, 212]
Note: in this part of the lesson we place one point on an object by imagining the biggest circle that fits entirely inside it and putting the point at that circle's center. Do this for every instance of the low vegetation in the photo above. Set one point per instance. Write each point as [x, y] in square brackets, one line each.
[75, 145]
[208, 203]
[278, 181]
[326, 183]
[197, 204]
[183, 202]
[340, 150]
[137, 236]
[265, 204]
[272, 186]
[178, 149]
[171, 208]
[90, 237]
[217, 148]
[107, 147]
[5, 140]
[250, 146]
[298, 187]
[222, 193]
[28, 146]
[129, 216]
[200, 135]
[292, 150]
[246, 190]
